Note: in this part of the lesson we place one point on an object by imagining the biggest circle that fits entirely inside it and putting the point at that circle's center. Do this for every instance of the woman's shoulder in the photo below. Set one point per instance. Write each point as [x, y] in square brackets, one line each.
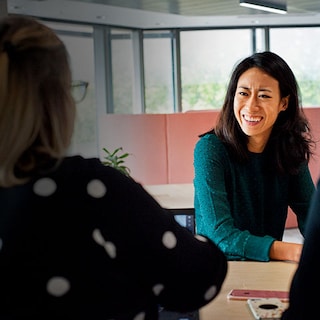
[210, 148]
[79, 164]
[210, 140]
[90, 167]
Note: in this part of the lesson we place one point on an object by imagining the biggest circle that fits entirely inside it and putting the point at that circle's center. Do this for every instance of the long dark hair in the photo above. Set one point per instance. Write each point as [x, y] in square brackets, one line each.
[290, 141]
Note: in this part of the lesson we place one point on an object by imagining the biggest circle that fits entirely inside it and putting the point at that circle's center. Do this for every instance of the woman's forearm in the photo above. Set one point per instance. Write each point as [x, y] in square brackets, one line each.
[285, 251]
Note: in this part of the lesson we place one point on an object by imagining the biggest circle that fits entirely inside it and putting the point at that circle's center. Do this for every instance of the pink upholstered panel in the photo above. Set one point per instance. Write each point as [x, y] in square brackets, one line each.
[161, 146]
[144, 137]
[183, 131]
[313, 115]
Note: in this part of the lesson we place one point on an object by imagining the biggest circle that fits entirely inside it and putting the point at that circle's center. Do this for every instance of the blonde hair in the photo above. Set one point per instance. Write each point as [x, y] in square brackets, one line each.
[37, 110]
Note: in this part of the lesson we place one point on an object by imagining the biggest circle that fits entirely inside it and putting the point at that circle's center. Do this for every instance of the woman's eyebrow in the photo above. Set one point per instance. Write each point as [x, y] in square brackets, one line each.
[260, 89]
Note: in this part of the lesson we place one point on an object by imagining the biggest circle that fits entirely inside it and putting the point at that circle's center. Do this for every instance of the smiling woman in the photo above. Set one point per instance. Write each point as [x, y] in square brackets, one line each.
[254, 164]
[257, 103]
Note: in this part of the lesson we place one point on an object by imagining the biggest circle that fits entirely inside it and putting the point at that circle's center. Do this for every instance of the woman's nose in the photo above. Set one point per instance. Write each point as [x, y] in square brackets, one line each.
[252, 103]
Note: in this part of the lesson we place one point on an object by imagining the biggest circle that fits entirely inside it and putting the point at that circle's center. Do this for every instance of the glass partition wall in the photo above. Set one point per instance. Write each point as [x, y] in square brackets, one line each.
[129, 71]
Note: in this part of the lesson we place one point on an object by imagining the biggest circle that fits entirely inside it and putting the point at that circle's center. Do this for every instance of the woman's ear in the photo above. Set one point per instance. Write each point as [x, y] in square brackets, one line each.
[284, 103]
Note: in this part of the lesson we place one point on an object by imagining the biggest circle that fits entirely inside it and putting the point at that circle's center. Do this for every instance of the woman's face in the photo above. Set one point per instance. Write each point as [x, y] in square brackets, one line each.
[257, 103]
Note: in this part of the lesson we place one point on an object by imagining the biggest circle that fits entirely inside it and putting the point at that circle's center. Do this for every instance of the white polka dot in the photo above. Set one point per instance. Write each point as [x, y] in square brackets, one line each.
[110, 249]
[96, 189]
[58, 286]
[157, 289]
[140, 316]
[1, 242]
[108, 246]
[97, 237]
[44, 187]
[169, 240]
[201, 238]
[211, 292]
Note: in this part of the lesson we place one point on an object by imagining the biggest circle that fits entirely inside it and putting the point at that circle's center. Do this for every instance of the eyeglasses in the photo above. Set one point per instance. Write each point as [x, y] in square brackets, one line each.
[79, 90]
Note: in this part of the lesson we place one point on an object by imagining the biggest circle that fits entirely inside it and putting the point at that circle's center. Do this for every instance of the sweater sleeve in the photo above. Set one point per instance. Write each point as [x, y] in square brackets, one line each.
[213, 205]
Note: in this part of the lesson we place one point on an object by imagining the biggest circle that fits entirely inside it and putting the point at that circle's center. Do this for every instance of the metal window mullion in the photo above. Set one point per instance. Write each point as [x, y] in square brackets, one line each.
[176, 71]
[267, 38]
[138, 83]
[103, 69]
[254, 39]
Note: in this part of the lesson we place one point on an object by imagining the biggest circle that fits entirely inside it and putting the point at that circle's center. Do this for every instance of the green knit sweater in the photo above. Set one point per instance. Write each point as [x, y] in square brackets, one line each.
[243, 207]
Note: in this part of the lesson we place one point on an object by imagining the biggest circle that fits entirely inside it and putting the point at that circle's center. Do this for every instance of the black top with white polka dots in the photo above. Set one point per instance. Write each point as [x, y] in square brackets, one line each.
[87, 242]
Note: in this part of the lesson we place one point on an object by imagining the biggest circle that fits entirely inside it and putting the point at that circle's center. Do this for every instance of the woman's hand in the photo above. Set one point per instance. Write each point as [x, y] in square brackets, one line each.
[285, 251]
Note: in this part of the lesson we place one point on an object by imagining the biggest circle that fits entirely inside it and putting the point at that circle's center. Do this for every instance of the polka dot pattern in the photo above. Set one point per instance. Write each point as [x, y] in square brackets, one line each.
[44, 187]
[108, 246]
[96, 189]
[97, 237]
[169, 240]
[201, 238]
[110, 249]
[210, 293]
[58, 286]
[140, 316]
[157, 289]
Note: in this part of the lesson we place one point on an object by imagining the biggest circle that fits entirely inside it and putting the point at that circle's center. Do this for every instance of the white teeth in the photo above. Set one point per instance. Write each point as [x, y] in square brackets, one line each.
[252, 119]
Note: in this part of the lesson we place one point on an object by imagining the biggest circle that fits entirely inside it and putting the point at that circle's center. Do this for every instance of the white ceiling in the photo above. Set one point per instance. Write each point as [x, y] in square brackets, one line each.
[157, 14]
[206, 7]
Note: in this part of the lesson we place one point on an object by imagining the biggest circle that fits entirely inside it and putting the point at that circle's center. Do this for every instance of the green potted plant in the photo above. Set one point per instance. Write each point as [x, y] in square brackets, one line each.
[116, 159]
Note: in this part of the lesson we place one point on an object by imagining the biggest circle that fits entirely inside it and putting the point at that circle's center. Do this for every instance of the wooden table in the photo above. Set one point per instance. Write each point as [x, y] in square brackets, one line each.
[272, 275]
[173, 196]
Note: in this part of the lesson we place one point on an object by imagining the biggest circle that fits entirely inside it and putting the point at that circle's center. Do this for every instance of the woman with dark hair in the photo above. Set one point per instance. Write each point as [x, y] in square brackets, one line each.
[79, 239]
[254, 164]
